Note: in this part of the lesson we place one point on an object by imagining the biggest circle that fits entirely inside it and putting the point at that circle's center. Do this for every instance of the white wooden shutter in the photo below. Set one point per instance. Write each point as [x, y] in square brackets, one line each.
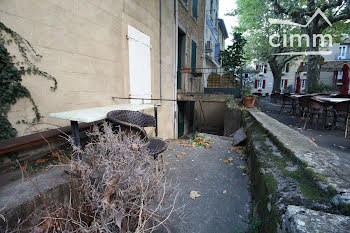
[139, 65]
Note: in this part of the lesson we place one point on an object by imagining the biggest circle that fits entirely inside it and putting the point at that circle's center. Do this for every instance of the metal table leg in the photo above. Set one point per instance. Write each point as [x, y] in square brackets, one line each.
[156, 117]
[75, 134]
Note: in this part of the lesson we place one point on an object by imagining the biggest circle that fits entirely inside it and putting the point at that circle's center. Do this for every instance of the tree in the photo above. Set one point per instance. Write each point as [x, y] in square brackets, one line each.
[337, 11]
[233, 57]
[253, 21]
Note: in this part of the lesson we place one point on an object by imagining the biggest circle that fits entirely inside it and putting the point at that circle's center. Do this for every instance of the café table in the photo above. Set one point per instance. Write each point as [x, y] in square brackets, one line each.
[89, 115]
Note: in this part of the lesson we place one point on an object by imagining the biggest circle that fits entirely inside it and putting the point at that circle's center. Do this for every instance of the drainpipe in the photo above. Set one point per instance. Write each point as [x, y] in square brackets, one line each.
[160, 51]
[175, 67]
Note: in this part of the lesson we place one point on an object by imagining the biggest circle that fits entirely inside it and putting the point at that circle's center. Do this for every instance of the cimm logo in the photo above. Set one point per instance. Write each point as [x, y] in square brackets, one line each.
[301, 37]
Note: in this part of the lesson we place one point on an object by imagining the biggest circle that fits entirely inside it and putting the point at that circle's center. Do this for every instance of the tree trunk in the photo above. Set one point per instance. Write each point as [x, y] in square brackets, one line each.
[277, 73]
[313, 72]
[313, 62]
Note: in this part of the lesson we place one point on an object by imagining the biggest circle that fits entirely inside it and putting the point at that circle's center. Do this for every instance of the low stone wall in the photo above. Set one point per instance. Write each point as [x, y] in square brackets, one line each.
[287, 169]
[21, 198]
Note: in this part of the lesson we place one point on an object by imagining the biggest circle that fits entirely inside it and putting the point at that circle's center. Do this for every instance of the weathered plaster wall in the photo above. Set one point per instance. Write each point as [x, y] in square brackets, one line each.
[84, 45]
[194, 29]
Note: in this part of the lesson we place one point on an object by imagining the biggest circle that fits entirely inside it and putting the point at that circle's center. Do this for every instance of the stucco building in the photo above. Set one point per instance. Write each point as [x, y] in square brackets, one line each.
[97, 50]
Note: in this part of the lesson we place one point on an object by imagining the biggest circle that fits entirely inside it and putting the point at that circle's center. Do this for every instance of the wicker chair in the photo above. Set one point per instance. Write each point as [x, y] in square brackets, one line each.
[288, 101]
[315, 108]
[303, 106]
[134, 122]
[342, 110]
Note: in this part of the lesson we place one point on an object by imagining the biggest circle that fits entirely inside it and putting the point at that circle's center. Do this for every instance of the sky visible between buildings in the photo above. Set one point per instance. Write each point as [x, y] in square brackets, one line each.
[226, 6]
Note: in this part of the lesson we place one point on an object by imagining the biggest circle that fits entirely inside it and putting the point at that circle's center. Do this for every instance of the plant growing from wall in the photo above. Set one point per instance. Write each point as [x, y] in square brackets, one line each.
[11, 72]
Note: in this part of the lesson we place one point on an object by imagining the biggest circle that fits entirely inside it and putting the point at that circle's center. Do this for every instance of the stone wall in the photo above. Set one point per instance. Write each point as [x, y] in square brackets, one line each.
[84, 46]
[194, 29]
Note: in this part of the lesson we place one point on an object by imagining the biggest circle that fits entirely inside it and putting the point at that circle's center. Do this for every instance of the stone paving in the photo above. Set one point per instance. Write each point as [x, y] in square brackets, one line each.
[224, 200]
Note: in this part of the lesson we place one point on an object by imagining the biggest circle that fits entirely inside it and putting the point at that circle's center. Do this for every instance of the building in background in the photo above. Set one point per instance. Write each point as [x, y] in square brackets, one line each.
[223, 35]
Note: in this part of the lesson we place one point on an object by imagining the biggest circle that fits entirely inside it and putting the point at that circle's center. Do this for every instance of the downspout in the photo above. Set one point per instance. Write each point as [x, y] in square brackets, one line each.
[160, 51]
[175, 67]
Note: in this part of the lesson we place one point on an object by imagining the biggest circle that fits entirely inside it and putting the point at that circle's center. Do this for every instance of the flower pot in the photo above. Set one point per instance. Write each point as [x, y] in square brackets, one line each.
[248, 101]
[185, 70]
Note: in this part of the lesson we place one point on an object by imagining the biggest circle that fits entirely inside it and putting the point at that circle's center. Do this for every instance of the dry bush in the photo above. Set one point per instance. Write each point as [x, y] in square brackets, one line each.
[113, 189]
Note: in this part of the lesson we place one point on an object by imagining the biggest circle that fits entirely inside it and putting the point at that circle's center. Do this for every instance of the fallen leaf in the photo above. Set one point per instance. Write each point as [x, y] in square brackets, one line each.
[194, 194]
[241, 167]
[342, 147]
[262, 170]
[41, 160]
[171, 148]
[224, 192]
[290, 164]
[207, 146]
[134, 146]
[237, 149]
[180, 156]
[196, 179]
[187, 145]
[230, 159]
[166, 163]
[226, 161]
[313, 139]
[269, 206]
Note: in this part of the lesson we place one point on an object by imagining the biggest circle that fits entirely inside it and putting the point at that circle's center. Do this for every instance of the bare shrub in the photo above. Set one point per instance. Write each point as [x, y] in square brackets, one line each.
[114, 188]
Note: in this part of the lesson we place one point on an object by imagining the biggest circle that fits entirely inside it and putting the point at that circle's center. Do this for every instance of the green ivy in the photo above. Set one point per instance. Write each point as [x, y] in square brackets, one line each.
[11, 87]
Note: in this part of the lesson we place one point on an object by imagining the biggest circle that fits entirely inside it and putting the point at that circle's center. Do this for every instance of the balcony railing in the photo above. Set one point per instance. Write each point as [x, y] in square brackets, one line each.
[343, 56]
[217, 79]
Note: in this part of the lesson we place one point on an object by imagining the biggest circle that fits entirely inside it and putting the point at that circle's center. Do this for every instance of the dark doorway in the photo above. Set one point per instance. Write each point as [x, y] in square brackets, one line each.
[180, 54]
[180, 119]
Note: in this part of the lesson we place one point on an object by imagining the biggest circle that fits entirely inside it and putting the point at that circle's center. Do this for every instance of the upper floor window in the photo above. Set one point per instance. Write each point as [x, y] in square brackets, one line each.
[303, 82]
[195, 9]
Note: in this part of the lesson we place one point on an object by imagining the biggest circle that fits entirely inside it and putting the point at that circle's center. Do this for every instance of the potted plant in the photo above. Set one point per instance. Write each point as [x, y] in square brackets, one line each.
[248, 99]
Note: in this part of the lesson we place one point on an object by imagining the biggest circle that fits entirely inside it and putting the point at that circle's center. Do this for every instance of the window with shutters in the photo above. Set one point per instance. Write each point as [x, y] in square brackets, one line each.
[260, 84]
[195, 9]
[193, 56]
[139, 65]
[217, 52]
[303, 82]
[282, 83]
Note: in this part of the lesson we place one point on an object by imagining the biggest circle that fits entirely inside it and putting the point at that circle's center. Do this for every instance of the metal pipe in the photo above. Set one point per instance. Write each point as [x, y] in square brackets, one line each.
[135, 98]
[160, 50]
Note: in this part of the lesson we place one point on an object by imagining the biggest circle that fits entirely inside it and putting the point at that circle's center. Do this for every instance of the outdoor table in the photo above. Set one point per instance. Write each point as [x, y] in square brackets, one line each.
[332, 100]
[95, 114]
[329, 101]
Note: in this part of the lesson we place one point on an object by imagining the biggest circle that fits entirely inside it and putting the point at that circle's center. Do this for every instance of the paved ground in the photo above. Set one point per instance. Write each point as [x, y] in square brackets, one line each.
[332, 140]
[204, 170]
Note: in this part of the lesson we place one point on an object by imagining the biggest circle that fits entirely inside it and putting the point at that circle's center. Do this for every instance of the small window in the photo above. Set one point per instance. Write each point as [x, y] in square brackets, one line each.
[195, 9]
[282, 83]
[260, 84]
[303, 82]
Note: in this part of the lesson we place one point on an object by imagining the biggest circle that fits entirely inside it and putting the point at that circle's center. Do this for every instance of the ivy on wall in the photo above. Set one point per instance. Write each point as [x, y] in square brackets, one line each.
[11, 72]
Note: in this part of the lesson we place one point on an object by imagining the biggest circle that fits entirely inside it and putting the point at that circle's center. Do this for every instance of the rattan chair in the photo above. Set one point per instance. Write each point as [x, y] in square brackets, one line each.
[303, 106]
[342, 110]
[134, 122]
[315, 108]
[288, 101]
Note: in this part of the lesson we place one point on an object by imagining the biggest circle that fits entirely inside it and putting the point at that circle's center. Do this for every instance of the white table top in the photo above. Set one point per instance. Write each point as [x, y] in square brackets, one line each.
[333, 100]
[95, 114]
